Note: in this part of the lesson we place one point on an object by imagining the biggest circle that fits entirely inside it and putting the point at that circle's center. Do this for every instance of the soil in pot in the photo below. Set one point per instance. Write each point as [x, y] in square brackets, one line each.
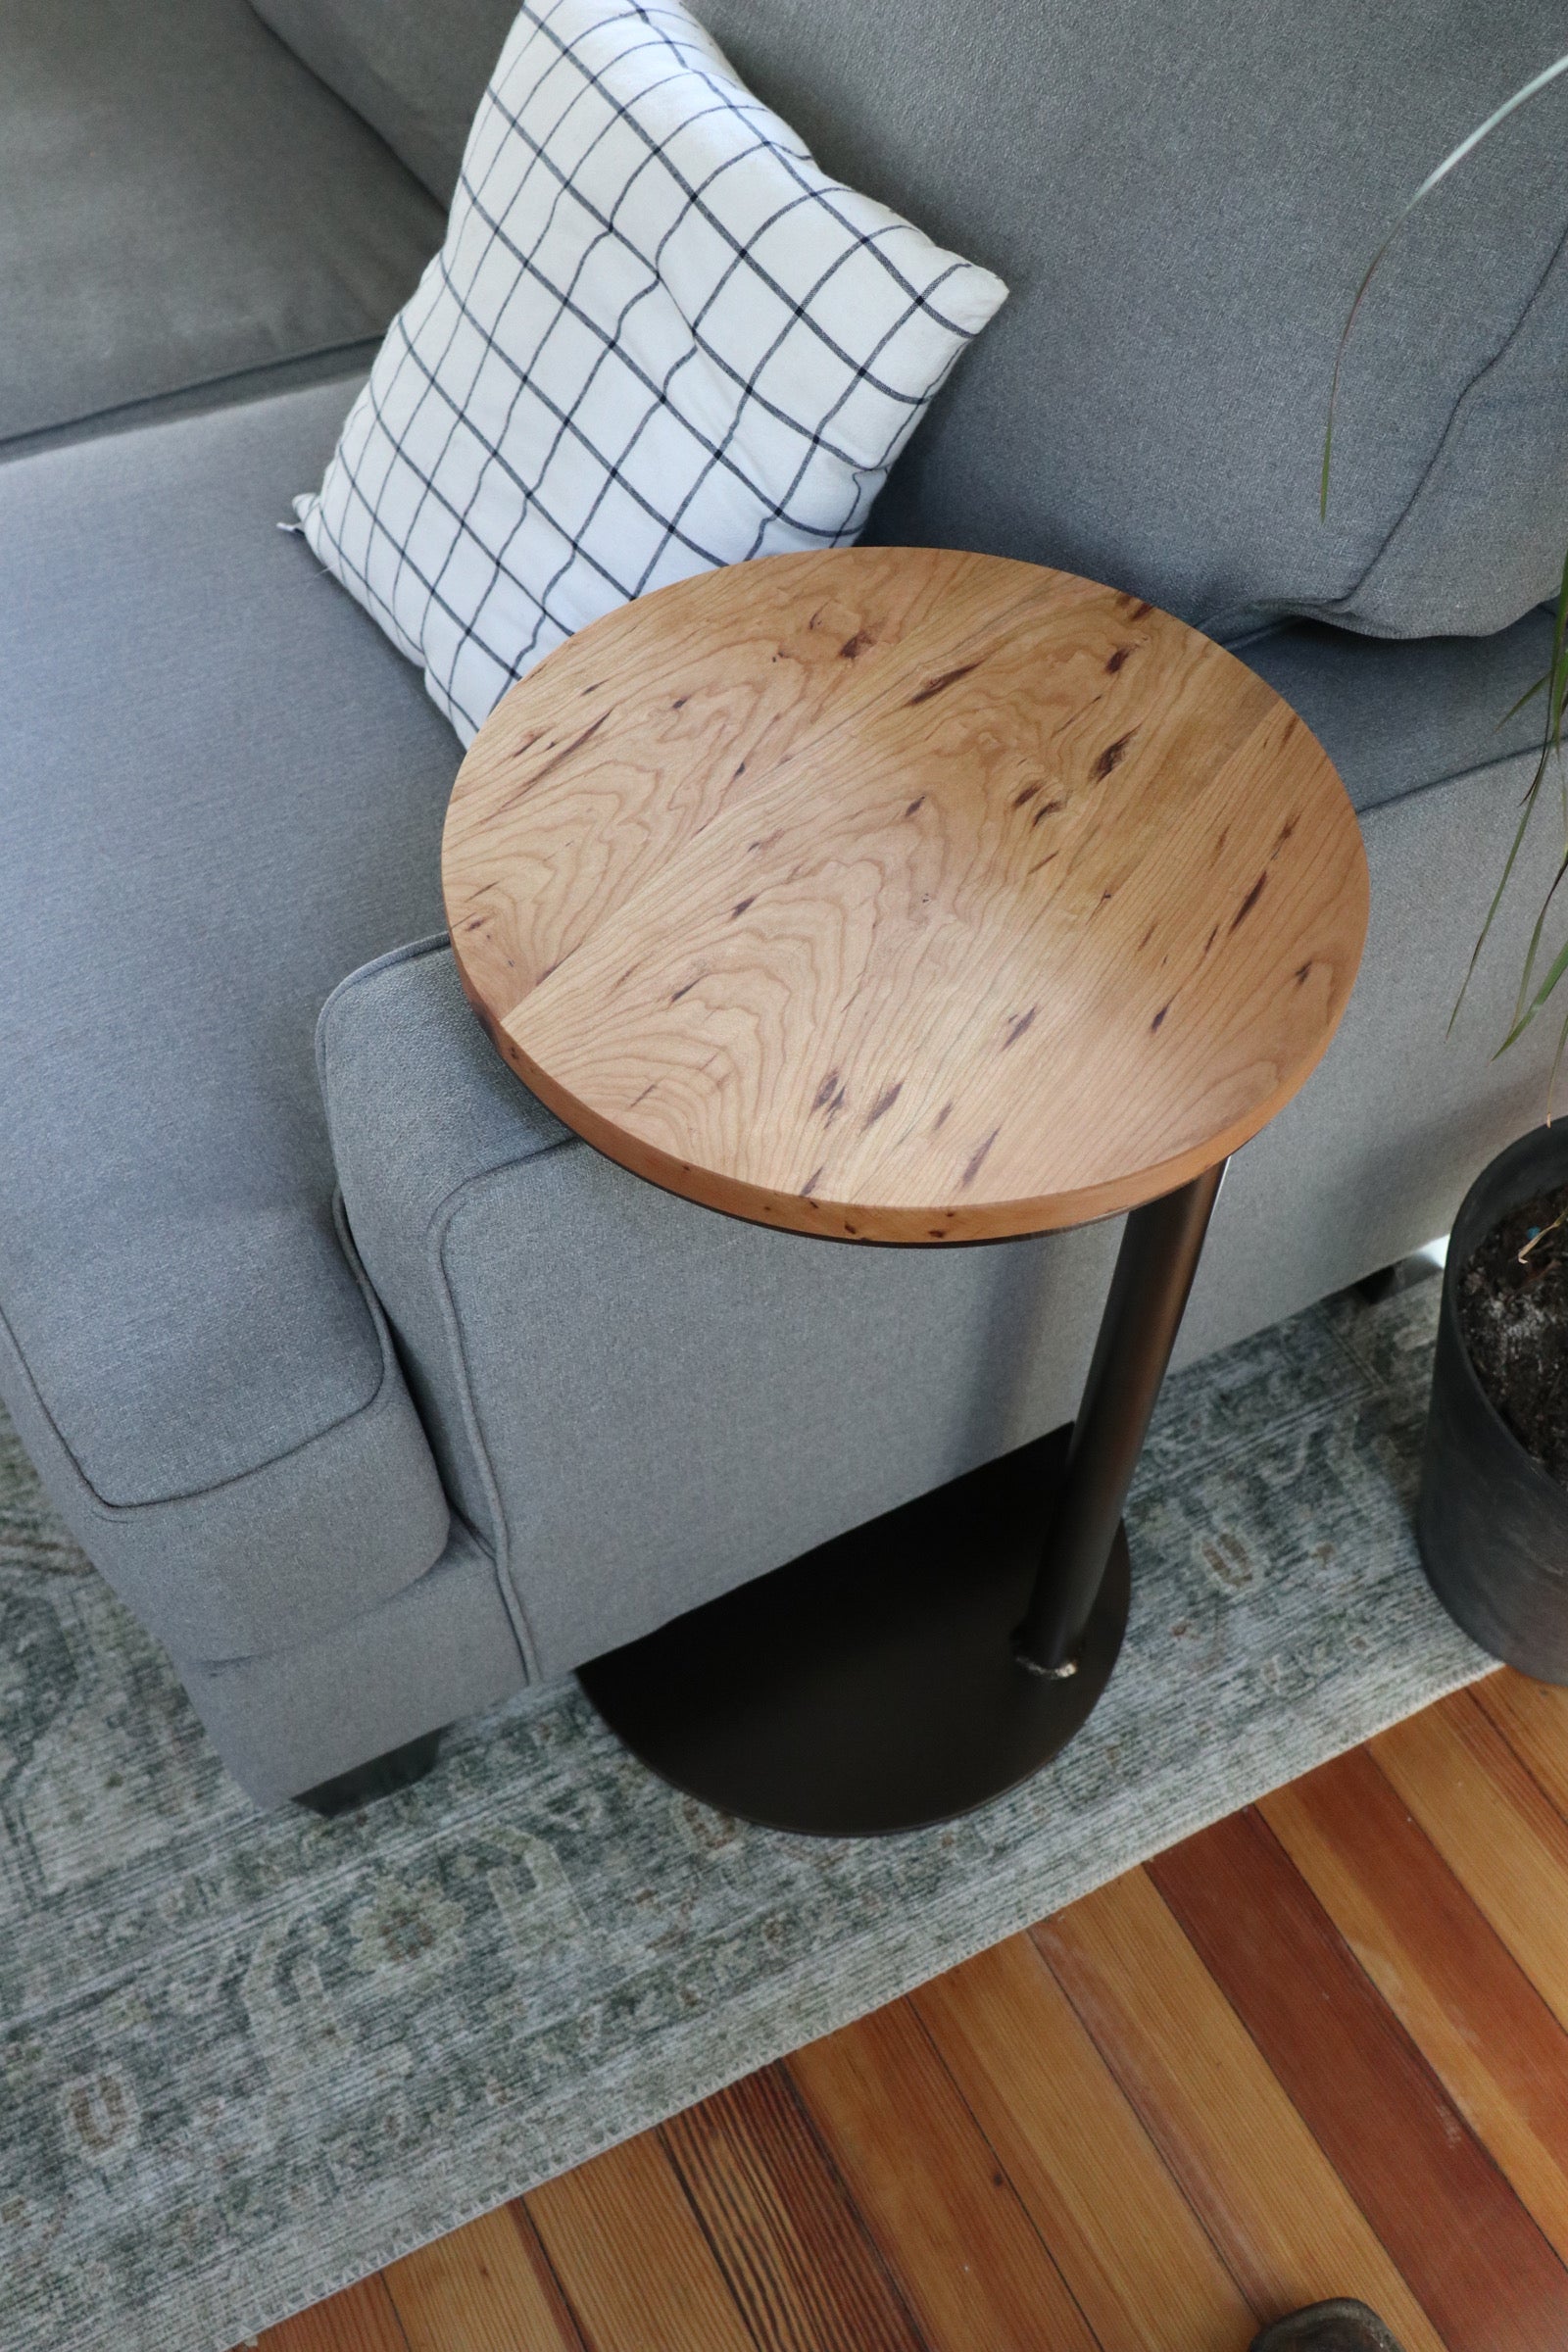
[1512, 1298]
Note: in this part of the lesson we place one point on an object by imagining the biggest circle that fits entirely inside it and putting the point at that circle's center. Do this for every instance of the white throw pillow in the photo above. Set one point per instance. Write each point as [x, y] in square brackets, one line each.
[657, 339]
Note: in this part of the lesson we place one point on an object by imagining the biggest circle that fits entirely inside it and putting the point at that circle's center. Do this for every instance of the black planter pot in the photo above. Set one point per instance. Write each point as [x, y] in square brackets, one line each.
[1493, 1524]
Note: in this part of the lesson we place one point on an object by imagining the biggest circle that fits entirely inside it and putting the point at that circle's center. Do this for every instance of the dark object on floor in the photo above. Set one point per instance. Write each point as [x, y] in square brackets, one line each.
[1341, 2325]
[1512, 1295]
[1493, 1519]
[1388, 1281]
[865, 1688]
[383, 1776]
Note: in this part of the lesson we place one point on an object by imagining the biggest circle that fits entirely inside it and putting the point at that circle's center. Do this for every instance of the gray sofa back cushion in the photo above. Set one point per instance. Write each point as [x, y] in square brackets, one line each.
[416, 69]
[1183, 200]
[181, 205]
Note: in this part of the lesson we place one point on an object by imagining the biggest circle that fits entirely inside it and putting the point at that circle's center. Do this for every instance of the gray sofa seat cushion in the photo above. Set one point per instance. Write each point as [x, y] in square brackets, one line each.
[1398, 717]
[221, 791]
[1182, 200]
[413, 69]
[182, 200]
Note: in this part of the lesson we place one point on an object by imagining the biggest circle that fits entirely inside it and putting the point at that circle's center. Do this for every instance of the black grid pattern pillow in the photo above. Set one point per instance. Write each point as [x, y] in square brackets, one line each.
[657, 339]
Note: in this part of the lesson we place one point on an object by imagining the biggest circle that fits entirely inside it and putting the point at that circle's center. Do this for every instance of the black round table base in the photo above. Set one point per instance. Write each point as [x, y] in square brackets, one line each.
[870, 1685]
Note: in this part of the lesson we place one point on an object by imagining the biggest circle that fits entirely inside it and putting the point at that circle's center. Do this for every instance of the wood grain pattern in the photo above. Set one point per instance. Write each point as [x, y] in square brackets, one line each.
[485, 2288]
[360, 2319]
[1532, 1718]
[950, 2227]
[1495, 1826]
[1080, 2160]
[1470, 2251]
[1465, 2002]
[1287, 2226]
[904, 896]
[797, 2256]
[664, 2290]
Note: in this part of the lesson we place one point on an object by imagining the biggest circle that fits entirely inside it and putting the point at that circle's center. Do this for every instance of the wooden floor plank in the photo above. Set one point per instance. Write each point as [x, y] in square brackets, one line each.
[1447, 1976]
[486, 2289]
[1468, 2248]
[1138, 2262]
[1495, 1827]
[360, 2319]
[632, 2258]
[1532, 1717]
[949, 2222]
[797, 2257]
[1287, 2226]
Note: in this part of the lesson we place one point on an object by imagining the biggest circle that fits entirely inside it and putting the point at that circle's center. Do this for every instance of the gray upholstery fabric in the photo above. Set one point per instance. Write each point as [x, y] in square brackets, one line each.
[1397, 717]
[221, 790]
[180, 201]
[639, 1403]
[350, 360]
[441, 1648]
[300, 1541]
[1376, 1152]
[1182, 201]
[413, 69]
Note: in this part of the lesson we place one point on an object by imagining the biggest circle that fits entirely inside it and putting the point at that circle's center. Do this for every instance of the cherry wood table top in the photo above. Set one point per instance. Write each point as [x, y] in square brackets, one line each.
[906, 896]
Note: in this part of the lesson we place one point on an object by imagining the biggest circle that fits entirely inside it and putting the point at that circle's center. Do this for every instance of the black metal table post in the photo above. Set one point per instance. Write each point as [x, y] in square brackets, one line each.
[1160, 1247]
[913, 1668]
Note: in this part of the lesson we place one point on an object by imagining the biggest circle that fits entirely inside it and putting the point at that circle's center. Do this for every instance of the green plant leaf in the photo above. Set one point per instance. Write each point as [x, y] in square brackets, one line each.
[1497, 900]
[1529, 695]
[1434, 179]
[1556, 683]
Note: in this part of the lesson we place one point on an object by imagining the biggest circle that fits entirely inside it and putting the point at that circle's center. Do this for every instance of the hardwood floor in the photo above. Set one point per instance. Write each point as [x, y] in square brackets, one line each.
[1320, 2049]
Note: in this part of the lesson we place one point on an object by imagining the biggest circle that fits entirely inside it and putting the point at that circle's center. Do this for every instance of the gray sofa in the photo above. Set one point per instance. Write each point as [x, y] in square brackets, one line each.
[371, 1392]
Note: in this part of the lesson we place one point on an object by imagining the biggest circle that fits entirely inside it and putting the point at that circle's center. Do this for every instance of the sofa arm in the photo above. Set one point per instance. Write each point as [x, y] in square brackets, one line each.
[421, 1113]
[637, 1402]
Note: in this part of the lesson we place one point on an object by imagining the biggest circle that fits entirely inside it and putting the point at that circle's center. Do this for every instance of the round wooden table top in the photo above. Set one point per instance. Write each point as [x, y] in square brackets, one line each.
[904, 896]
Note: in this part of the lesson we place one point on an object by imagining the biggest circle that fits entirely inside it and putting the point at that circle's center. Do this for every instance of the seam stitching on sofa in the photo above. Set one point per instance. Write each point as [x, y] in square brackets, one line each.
[409, 953]
[438, 1226]
[437, 1231]
[116, 1512]
[1465, 775]
[218, 1667]
[1460, 776]
[41, 439]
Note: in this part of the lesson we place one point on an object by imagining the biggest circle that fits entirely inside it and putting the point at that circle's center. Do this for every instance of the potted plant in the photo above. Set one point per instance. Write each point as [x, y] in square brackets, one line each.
[1492, 1516]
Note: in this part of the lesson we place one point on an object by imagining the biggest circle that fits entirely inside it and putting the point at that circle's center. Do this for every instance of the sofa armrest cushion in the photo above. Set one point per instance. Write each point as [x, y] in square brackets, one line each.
[421, 1111]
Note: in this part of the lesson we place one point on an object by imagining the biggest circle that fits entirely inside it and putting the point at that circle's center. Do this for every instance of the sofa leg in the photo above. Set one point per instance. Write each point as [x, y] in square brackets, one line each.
[1339, 2326]
[1402, 1275]
[383, 1776]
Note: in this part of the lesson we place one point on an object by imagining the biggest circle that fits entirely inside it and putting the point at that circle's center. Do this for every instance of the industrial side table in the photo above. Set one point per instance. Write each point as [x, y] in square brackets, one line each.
[909, 897]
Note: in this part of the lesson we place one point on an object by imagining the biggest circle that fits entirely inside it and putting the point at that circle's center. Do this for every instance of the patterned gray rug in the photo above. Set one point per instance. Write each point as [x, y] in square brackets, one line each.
[245, 2059]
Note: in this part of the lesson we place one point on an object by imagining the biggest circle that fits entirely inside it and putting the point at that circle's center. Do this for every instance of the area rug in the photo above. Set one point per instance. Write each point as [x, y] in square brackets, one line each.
[248, 2058]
